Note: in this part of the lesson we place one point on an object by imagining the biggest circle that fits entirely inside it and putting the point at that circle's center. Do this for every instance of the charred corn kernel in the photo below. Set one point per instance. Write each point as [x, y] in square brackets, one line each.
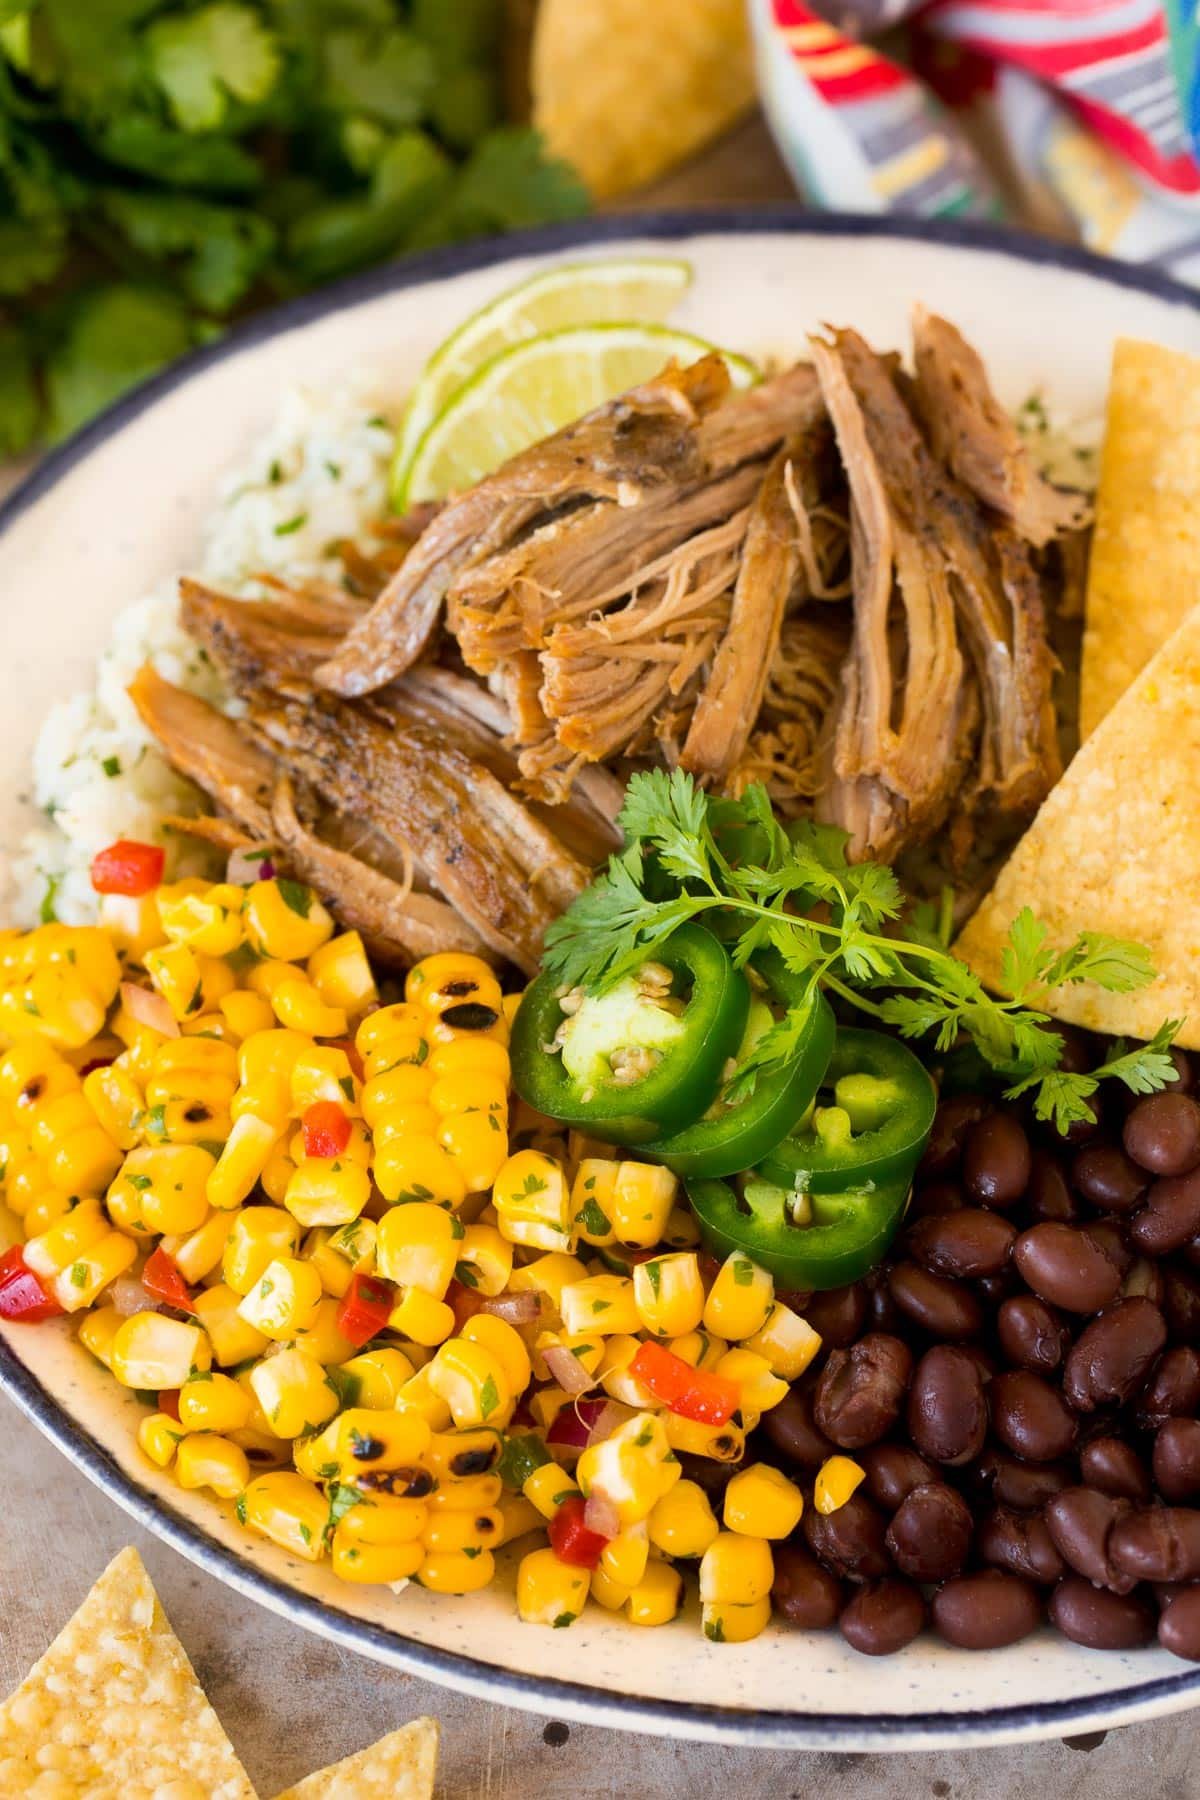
[340, 972]
[164, 1187]
[736, 1568]
[285, 919]
[232, 1340]
[132, 922]
[265, 1060]
[720, 1443]
[547, 1488]
[592, 1200]
[532, 1202]
[71, 1237]
[32, 1071]
[177, 976]
[836, 1480]
[656, 1598]
[210, 922]
[460, 1455]
[293, 1392]
[150, 1350]
[206, 1460]
[313, 1455]
[259, 1234]
[289, 1510]
[588, 1351]
[213, 1402]
[379, 1376]
[199, 1252]
[417, 1396]
[79, 1155]
[600, 1305]
[284, 1299]
[761, 1502]
[624, 1557]
[614, 1375]
[518, 1517]
[417, 1246]
[550, 1592]
[740, 1299]
[83, 1281]
[327, 1192]
[186, 1122]
[485, 1260]
[642, 1197]
[193, 1069]
[760, 1389]
[548, 1275]
[381, 1563]
[367, 1439]
[450, 979]
[45, 1210]
[683, 1522]
[159, 1436]
[608, 1594]
[246, 1013]
[460, 1528]
[467, 1493]
[418, 1169]
[506, 1344]
[699, 1348]
[786, 1341]
[633, 1468]
[457, 1571]
[322, 1338]
[669, 1294]
[725, 1622]
[97, 1329]
[471, 1380]
[681, 1231]
[118, 1103]
[402, 1522]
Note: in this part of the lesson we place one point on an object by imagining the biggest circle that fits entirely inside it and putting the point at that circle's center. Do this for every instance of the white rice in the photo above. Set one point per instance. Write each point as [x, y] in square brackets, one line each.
[318, 475]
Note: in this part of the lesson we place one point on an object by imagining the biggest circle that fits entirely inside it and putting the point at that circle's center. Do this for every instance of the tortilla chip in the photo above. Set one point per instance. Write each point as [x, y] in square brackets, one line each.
[400, 1766]
[1116, 849]
[624, 89]
[1144, 576]
[113, 1710]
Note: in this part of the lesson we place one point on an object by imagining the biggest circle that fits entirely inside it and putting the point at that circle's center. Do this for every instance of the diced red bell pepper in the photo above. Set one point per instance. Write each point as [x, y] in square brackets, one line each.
[127, 867]
[168, 1402]
[571, 1540]
[162, 1281]
[692, 1393]
[22, 1295]
[364, 1308]
[352, 1056]
[326, 1129]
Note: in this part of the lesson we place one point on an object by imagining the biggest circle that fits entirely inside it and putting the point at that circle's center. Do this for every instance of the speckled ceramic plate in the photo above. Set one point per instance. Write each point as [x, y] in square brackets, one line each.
[120, 506]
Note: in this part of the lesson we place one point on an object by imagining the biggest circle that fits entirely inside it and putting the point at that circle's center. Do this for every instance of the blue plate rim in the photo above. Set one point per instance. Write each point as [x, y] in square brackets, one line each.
[763, 1729]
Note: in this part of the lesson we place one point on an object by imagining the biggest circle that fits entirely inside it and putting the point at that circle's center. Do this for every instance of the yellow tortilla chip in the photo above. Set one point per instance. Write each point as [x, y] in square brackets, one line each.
[624, 89]
[1144, 574]
[400, 1766]
[113, 1710]
[1116, 849]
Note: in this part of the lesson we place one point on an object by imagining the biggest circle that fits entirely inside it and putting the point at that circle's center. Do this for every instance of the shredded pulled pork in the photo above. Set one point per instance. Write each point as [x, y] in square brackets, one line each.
[784, 749]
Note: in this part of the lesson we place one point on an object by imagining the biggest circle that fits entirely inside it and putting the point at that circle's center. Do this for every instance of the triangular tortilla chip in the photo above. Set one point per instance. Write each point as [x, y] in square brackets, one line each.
[114, 1709]
[1116, 849]
[400, 1766]
[1144, 572]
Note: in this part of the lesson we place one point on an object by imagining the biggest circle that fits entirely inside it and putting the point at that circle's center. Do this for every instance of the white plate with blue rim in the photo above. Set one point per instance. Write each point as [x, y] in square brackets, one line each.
[120, 507]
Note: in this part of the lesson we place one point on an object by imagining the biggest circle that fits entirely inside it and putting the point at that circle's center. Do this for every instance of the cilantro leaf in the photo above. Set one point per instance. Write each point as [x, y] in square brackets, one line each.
[117, 336]
[224, 248]
[205, 59]
[20, 408]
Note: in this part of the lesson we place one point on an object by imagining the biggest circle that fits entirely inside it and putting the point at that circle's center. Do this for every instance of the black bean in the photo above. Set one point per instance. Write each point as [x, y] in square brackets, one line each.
[1145, 1281]
[892, 1471]
[838, 1314]
[936, 1199]
[952, 1121]
[965, 1244]
[1173, 1391]
[1021, 1543]
[987, 1610]
[1114, 1467]
[1098, 1618]
[1049, 1195]
[1176, 1459]
[944, 1309]
[1106, 1176]
[1171, 1215]
[882, 1312]
[1162, 1133]
[997, 1160]
[1181, 1303]
[849, 1541]
[1031, 1334]
[1067, 1267]
[861, 1390]
[930, 1534]
[1179, 1625]
[1111, 1357]
[1080, 1521]
[993, 1290]
[1028, 1485]
[793, 1430]
[1029, 1417]
[883, 1617]
[804, 1593]
[1110, 1237]
[947, 1406]
[1158, 1543]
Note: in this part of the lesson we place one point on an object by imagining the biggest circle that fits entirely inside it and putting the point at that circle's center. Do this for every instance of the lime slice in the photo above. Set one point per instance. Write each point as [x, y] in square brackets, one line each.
[586, 293]
[535, 388]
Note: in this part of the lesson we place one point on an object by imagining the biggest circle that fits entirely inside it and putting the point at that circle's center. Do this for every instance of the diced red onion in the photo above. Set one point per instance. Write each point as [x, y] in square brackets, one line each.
[129, 1296]
[611, 1414]
[572, 1424]
[249, 863]
[567, 1370]
[149, 1009]
[523, 1308]
[600, 1515]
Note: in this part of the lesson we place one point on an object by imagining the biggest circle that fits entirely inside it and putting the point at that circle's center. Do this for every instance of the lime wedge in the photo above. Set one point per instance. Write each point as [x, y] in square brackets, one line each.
[584, 293]
[535, 388]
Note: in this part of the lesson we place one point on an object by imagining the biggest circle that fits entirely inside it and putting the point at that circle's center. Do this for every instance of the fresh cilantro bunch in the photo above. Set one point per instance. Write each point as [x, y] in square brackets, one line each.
[165, 164]
[839, 925]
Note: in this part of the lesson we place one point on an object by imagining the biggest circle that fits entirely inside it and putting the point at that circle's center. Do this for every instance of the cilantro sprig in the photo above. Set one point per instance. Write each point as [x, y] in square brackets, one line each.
[764, 887]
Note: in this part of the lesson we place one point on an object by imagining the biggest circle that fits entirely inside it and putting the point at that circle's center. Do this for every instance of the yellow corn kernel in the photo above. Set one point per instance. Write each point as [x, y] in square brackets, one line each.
[205, 1460]
[506, 1344]
[450, 978]
[97, 1329]
[683, 1523]
[736, 1568]
[367, 1439]
[259, 1234]
[787, 1341]
[417, 1246]
[836, 1480]
[699, 1349]
[327, 1191]
[463, 1455]
[740, 1299]
[232, 1340]
[293, 1392]
[186, 1122]
[83, 1281]
[117, 1101]
[210, 922]
[152, 1351]
[589, 1352]
[681, 1231]
[633, 1468]
[176, 974]
[140, 1041]
[265, 1060]
[608, 1593]
[70, 1237]
[762, 1502]
[322, 1338]
[392, 1093]
[591, 1200]
[284, 1299]
[285, 920]
[656, 1598]
[485, 1260]
[324, 1073]
[44, 1210]
[401, 1522]
[457, 1571]
[468, 1053]
[132, 922]
[624, 1557]
[209, 1025]
[532, 1202]
[341, 974]
[79, 1155]
[468, 1493]
[247, 1151]
[759, 1389]
[246, 1013]
[720, 1443]
[159, 1436]
[471, 1380]
[475, 1136]
[417, 1396]
[32, 1071]
[463, 1529]
[518, 1518]
[547, 1487]
[200, 1252]
[289, 1510]
[614, 1375]
[550, 1592]
[262, 1450]
[276, 1175]
[669, 1294]
[213, 1402]
[405, 1122]
[548, 1275]
[379, 1376]
[725, 1622]
[381, 1563]
[299, 1007]
[388, 1037]
[641, 1200]
[601, 1305]
[193, 1069]
[417, 1169]
[337, 1253]
[163, 1187]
